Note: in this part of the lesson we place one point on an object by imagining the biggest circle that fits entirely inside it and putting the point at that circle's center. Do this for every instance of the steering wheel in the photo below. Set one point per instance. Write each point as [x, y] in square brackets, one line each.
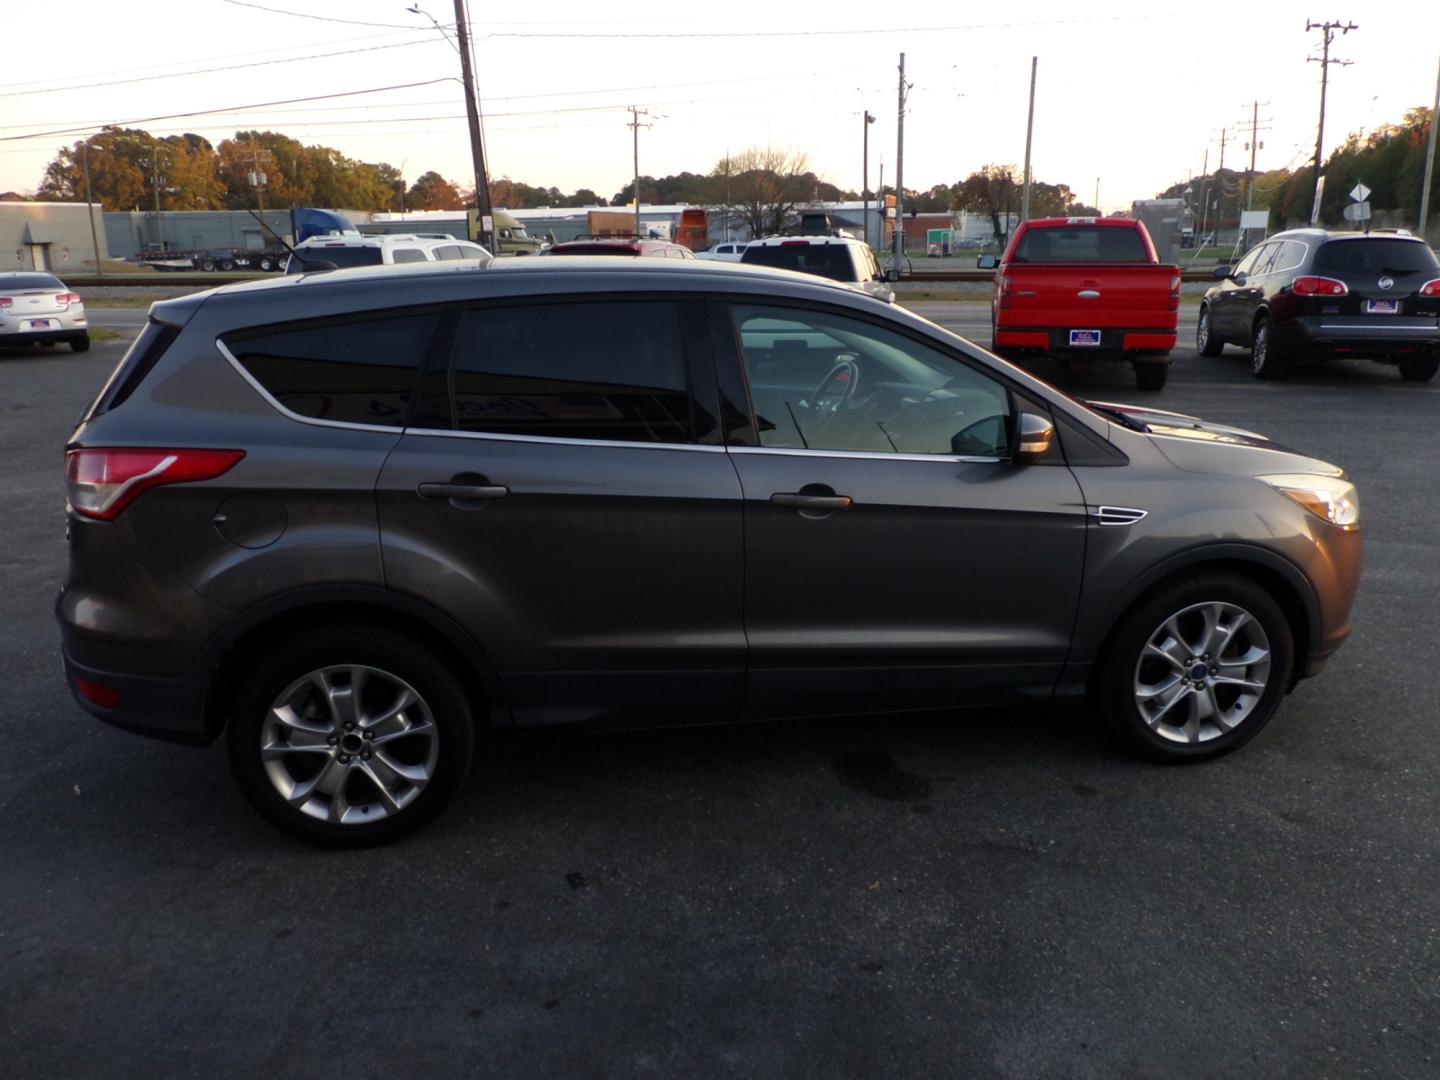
[835, 391]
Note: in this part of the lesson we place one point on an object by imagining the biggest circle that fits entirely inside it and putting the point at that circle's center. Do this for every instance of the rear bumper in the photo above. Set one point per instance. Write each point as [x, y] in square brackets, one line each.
[1376, 335]
[10, 338]
[169, 709]
[1116, 343]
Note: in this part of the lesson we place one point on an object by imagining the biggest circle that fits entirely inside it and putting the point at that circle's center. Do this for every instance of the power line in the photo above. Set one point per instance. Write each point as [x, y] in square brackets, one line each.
[213, 71]
[228, 109]
[307, 15]
[877, 29]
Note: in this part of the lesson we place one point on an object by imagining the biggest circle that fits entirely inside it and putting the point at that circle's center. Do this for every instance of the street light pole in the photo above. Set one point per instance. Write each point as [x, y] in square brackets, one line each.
[1029, 128]
[865, 175]
[472, 117]
[89, 206]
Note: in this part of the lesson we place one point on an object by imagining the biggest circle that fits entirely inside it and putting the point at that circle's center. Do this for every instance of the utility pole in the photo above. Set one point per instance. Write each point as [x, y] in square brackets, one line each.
[1429, 160]
[472, 117]
[1220, 186]
[635, 127]
[257, 176]
[1328, 30]
[1029, 128]
[1250, 172]
[1096, 203]
[155, 182]
[899, 237]
[1204, 201]
[90, 209]
[865, 121]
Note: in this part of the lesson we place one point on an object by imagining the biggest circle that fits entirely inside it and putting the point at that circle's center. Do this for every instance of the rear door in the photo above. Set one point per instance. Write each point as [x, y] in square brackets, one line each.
[894, 556]
[563, 495]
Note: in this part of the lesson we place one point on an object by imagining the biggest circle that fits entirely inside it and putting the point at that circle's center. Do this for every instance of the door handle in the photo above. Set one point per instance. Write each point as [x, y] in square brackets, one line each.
[812, 502]
[463, 491]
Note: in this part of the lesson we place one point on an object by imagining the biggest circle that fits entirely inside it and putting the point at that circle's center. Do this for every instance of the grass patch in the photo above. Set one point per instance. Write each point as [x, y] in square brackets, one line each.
[101, 334]
[139, 299]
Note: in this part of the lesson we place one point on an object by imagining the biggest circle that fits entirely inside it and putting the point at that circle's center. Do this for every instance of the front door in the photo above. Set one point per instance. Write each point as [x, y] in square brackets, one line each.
[895, 558]
[563, 505]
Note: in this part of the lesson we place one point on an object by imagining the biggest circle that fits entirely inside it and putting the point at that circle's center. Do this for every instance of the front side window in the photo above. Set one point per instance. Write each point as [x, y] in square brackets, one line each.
[821, 381]
[607, 371]
[1247, 264]
[360, 372]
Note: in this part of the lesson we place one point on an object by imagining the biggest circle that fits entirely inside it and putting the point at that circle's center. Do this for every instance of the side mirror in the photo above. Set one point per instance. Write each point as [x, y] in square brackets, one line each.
[1220, 273]
[986, 262]
[892, 275]
[1239, 278]
[1036, 435]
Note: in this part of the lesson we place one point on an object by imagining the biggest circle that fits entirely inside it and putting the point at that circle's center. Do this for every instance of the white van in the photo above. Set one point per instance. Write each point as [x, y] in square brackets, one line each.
[346, 251]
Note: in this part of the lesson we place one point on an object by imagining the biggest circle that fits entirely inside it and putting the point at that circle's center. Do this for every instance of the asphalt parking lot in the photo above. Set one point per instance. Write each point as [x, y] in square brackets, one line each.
[983, 894]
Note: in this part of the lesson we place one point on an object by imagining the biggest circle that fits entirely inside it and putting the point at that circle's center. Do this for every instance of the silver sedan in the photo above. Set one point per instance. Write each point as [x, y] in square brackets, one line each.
[38, 308]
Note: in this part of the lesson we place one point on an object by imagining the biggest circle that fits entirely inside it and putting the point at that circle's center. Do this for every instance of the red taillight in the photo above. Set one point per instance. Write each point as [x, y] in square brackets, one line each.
[68, 298]
[794, 243]
[1003, 290]
[1318, 286]
[105, 697]
[1431, 288]
[1175, 293]
[101, 483]
[5, 301]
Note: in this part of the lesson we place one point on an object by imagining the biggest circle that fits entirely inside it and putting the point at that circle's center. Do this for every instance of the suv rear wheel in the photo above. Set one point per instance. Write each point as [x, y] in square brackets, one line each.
[1197, 669]
[350, 736]
[1421, 368]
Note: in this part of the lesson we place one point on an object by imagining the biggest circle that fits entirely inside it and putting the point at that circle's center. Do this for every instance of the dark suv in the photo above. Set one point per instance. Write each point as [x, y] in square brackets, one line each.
[1308, 293]
[349, 518]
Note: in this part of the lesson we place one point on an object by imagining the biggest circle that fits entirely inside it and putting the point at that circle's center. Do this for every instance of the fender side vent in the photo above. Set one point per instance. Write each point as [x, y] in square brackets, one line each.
[1116, 515]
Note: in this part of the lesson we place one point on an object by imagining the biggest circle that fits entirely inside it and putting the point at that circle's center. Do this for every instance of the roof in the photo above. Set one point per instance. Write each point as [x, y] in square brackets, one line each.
[781, 241]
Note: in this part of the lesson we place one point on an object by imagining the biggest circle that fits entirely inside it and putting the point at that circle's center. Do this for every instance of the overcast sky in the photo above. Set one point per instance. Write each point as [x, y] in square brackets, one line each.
[1126, 93]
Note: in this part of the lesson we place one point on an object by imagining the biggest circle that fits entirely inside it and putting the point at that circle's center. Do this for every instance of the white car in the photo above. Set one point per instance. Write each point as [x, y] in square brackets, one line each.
[37, 308]
[838, 258]
[380, 250]
[729, 251]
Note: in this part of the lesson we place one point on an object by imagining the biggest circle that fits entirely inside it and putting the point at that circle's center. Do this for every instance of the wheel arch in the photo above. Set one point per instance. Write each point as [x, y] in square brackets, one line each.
[1275, 574]
[224, 659]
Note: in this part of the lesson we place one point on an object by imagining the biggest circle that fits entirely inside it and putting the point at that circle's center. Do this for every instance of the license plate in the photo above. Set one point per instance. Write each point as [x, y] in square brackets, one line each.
[1085, 338]
[38, 324]
[1382, 307]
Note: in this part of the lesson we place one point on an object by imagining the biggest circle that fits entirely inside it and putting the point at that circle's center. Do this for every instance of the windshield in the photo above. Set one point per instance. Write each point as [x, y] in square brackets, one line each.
[828, 260]
[1375, 255]
[1081, 244]
[341, 257]
[21, 282]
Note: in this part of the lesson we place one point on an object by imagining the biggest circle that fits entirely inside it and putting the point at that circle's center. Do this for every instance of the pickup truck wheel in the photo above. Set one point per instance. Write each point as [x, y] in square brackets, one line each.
[1150, 375]
[1206, 343]
[1266, 359]
[1421, 369]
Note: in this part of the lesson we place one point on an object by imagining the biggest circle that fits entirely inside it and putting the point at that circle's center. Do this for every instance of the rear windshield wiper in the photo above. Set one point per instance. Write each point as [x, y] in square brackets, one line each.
[1122, 417]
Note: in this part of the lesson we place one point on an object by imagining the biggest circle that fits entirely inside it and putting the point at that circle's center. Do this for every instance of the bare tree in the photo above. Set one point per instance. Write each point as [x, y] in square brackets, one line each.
[763, 186]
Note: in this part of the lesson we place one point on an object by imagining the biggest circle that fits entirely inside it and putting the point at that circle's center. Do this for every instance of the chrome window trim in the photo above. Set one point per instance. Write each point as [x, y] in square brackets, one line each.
[269, 399]
[862, 455]
[497, 436]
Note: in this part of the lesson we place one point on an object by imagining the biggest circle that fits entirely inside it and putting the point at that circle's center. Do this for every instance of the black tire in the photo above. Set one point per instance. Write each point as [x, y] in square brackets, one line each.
[1206, 342]
[1150, 375]
[407, 663]
[266, 264]
[227, 265]
[1267, 361]
[1420, 369]
[208, 265]
[1114, 690]
[80, 344]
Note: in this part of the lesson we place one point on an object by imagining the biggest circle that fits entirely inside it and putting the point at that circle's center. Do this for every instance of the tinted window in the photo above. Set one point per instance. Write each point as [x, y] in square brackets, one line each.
[1265, 264]
[821, 381]
[1292, 254]
[448, 251]
[20, 282]
[1081, 243]
[827, 260]
[1374, 255]
[613, 371]
[360, 372]
[407, 255]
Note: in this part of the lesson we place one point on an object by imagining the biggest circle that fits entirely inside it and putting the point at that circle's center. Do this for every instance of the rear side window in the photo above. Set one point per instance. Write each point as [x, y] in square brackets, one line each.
[142, 356]
[408, 255]
[826, 260]
[1081, 244]
[1374, 255]
[612, 371]
[356, 372]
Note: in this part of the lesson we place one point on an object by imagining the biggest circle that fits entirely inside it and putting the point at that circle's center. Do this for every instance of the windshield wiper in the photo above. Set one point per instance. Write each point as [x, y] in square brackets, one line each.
[1124, 418]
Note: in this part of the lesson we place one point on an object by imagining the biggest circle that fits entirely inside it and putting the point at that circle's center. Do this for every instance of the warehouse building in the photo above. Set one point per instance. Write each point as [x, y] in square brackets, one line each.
[51, 236]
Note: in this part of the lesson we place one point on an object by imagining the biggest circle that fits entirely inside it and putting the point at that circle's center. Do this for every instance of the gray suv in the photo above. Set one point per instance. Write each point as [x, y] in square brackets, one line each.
[349, 519]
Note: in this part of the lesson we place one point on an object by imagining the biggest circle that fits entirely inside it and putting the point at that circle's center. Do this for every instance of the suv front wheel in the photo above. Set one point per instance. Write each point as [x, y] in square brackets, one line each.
[349, 737]
[1198, 668]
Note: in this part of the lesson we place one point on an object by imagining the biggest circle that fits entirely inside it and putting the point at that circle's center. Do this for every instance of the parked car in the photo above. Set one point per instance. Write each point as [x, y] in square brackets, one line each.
[348, 519]
[1085, 287]
[622, 246]
[838, 258]
[40, 309]
[729, 251]
[341, 252]
[1308, 294]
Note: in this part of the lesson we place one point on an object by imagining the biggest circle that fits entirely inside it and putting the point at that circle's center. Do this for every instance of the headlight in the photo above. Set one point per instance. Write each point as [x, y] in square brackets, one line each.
[1326, 497]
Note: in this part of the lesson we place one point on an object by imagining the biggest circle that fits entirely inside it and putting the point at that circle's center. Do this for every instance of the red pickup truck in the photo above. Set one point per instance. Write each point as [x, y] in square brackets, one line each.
[1089, 287]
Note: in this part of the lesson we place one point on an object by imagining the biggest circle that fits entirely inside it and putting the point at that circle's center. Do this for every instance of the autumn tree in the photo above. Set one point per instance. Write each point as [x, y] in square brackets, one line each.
[433, 192]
